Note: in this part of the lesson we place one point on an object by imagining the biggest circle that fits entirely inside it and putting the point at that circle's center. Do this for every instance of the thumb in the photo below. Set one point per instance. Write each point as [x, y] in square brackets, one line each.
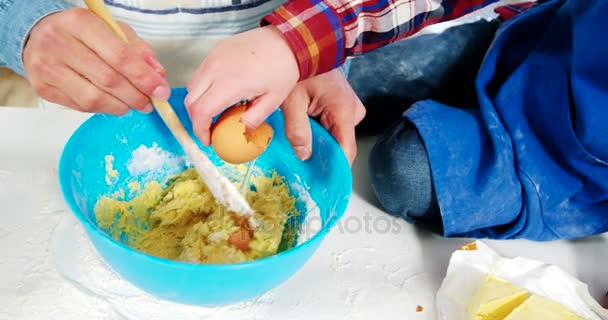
[261, 108]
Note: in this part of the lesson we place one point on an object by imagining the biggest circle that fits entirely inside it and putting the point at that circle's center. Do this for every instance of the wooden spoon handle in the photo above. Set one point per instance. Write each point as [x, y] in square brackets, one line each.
[101, 10]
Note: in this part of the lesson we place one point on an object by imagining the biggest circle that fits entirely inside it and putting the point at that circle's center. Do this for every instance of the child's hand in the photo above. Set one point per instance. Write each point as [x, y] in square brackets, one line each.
[257, 65]
[72, 58]
[331, 97]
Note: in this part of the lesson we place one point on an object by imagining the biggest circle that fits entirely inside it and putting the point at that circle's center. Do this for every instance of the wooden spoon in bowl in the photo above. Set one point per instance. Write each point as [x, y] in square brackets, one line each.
[222, 189]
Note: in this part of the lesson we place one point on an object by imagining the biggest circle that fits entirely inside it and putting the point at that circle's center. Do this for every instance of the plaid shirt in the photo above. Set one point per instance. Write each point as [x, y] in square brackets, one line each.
[322, 33]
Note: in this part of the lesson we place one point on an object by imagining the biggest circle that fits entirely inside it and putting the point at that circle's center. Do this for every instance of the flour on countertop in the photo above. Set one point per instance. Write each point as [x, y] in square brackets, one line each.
[77, 260]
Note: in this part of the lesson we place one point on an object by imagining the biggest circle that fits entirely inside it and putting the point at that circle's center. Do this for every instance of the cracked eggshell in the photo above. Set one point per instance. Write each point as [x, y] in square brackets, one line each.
[233, 143]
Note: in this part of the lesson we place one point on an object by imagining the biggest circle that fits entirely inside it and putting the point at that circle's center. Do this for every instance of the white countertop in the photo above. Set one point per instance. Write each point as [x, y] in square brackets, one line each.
[366, 274]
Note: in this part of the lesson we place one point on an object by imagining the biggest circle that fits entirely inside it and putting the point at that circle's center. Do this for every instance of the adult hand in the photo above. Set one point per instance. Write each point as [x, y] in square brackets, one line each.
[257, 65]
[330, 97]
[73, 59]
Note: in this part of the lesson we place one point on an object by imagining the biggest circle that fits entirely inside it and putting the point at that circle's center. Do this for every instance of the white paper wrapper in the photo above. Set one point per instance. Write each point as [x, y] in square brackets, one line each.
[468, 269]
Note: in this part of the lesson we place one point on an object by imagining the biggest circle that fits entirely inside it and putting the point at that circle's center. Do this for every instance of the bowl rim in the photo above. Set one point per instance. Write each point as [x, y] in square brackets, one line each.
[69, 199]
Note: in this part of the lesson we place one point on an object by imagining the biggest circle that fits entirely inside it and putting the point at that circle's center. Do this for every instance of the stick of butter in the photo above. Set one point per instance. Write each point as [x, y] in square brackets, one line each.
[498, 299]
[537, 307]
[495, 299]
[480, 284]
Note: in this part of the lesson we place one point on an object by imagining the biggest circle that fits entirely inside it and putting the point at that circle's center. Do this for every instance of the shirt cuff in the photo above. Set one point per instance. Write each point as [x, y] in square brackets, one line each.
[314, 33]
[17, 18]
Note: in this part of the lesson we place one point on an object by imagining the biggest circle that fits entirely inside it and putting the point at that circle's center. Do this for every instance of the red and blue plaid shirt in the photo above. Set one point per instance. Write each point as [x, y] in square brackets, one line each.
[322, 33]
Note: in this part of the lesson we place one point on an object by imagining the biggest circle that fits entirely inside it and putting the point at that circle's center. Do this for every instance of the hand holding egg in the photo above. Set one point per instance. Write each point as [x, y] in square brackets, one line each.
[233, 143]
[328, 97]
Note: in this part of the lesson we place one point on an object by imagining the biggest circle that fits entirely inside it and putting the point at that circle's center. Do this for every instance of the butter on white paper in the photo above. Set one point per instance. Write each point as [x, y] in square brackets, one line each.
[468, 270]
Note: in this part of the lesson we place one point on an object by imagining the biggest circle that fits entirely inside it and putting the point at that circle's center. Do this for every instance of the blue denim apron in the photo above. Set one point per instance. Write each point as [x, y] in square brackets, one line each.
[532, 161]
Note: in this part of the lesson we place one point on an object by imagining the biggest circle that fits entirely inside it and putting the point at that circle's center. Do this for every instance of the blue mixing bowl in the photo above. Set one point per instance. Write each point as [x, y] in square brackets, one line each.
[82, 175]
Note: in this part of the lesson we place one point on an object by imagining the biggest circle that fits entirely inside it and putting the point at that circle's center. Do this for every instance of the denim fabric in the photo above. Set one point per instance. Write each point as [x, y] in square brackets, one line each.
[401, 178]
[17, 17]
[529, 159]
[438, 66]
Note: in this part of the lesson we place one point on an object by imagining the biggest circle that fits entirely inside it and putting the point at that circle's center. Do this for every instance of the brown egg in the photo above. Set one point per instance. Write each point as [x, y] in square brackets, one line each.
[232, 143]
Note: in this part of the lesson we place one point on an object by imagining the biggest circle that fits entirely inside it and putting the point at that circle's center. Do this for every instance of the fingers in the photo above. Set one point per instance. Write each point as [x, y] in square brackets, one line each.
[342, 114]
[297, 125]
[53, 94]
[72, 58]
[210, 104]
[260, 109]
[198, 84]
[89, 97]
[342, 128]
[215, 100]
[60, 84]
[243, 66]
[123, 57]
[86, 63]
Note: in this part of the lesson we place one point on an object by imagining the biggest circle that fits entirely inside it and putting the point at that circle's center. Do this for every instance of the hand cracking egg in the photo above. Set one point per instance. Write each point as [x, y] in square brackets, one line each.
[233, 143]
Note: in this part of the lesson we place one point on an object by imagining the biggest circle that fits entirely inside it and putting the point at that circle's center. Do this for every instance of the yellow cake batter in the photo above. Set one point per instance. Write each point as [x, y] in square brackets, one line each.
[184, 222]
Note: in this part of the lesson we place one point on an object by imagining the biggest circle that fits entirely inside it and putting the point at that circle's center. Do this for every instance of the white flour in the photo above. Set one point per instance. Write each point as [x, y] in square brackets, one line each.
[146, 160]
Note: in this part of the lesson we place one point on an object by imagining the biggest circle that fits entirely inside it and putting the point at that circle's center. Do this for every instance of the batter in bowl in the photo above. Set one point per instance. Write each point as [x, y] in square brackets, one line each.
[183, 221]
